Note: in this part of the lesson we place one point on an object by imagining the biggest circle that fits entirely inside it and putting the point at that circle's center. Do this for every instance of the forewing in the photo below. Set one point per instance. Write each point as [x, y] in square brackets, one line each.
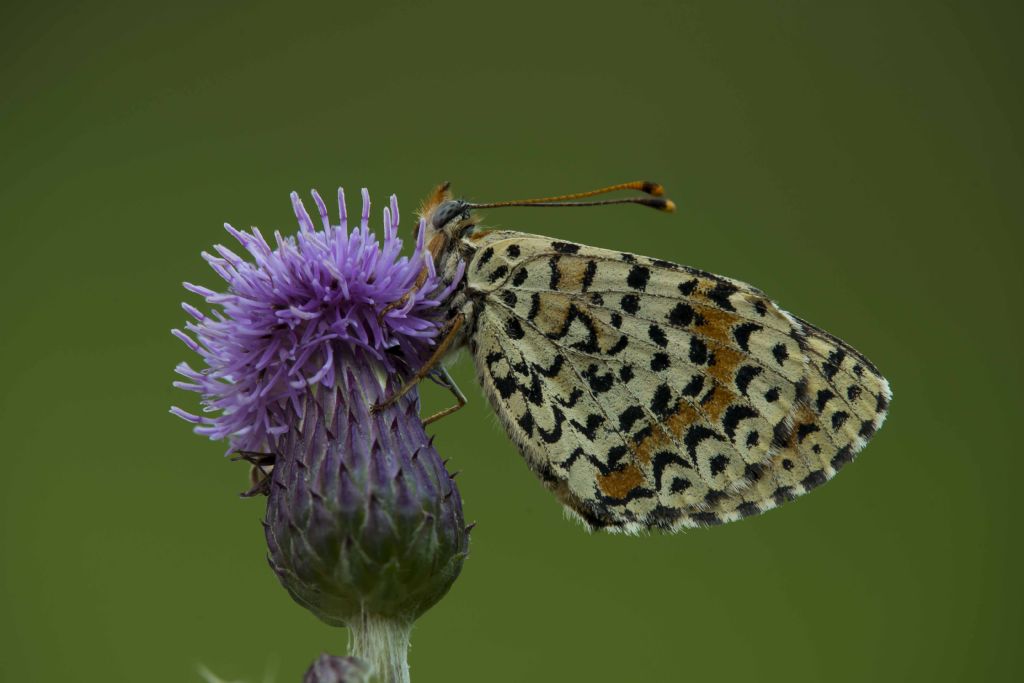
[650, 394]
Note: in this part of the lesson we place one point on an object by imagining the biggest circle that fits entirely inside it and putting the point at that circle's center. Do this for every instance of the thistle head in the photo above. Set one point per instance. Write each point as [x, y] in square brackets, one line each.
[362, 518]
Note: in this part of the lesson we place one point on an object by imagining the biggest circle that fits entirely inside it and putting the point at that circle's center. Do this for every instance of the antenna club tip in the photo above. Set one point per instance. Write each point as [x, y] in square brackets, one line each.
[653, 189]
[662, 205]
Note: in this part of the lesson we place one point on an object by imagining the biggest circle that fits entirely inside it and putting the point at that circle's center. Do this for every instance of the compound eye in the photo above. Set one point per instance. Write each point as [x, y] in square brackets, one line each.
[446, 212]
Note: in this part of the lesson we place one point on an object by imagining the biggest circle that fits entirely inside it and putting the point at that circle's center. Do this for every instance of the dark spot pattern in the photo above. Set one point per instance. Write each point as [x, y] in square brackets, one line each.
[513, 329]
[694, 386]
[742, 334]
[498, 273]
[745, 375]
[657, 335]
[780, 352]
[638, 277]
[720, 295]
[681, 315]
[698, 351]
[687, 288]
[662, 404]
[718, 464]
[630, 303]
[485, 256]
[588, 275]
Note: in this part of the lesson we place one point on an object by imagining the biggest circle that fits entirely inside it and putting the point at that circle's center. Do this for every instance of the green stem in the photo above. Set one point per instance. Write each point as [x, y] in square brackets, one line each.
[383, 642]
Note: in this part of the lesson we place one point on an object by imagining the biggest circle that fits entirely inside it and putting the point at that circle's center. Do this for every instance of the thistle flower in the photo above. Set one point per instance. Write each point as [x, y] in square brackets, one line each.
[364, 525]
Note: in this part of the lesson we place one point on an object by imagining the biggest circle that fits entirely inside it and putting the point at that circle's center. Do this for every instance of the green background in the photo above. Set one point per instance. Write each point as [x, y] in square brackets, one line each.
[861, 162]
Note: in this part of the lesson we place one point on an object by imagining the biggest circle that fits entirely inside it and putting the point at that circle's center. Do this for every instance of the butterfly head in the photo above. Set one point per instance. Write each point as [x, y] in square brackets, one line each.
[445, 218]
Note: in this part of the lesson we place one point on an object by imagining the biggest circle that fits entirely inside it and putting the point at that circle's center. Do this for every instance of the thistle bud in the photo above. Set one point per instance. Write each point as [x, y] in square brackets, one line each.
[363, 517]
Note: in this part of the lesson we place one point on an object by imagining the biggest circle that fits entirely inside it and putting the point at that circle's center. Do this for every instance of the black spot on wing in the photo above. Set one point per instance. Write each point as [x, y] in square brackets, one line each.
[661, 403]
[498, 273]
[844, 456]
[512, 251]
[680, 484]
[780, 352]
[694, 386]
[742, 334]
[599, 383]
[565, 247]
[618, 346]
[718, 464]
[720, 294]
[681, 315]
[733, 415]
[695, 435]
[588, 275]
[805, 430]
[783, 494]
[824, 396]
[638, 277]
[698, 351]
[745, 375]
[660, 361]
[629, 416]
[630, 303]
[514, 329]
[534, 306]
[485, 256]
[588, 430]
[555, 433]
[520, 277]
[556, 274]
[553, 369]
[835, 360]
[573, 399]
[508, 297]
[662, 460]
[813, 480]
[657, 335]
[526, 423]
[687, 288]
[748, 509]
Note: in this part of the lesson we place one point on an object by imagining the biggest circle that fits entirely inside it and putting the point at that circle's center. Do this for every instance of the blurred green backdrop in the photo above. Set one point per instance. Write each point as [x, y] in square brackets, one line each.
[862, 163]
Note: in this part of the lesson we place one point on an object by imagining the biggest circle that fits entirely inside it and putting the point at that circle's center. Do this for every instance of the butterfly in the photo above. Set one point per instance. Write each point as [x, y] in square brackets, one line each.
[644, 394]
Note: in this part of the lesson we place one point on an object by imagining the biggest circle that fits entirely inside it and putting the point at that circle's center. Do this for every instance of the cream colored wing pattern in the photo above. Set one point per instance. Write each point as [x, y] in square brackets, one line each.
[651, 395]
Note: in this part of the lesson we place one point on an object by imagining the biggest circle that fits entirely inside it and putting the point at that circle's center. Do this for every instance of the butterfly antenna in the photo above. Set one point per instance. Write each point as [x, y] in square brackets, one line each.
[655, 201]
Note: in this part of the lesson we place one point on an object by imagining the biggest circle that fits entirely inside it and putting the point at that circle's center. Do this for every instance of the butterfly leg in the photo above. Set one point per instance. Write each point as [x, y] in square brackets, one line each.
[259, 475]
[448, 337]
[420, 279]
[445, 380]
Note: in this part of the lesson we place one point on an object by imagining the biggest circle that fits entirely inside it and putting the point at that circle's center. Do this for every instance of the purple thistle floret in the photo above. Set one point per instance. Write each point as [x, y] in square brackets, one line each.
[288, 312]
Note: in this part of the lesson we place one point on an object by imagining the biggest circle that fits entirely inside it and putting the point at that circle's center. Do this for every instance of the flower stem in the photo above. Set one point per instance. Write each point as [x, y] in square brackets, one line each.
[383, 642]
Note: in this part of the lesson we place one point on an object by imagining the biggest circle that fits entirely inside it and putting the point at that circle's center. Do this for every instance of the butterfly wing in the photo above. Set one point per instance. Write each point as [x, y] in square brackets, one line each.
[647, 394]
